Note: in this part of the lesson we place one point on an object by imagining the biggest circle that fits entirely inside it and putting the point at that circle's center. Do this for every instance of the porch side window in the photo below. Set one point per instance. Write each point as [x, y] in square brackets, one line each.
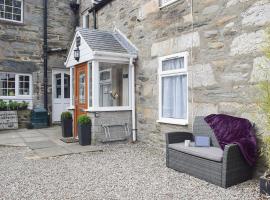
[11, 10]
[173, 107]
[113, 85]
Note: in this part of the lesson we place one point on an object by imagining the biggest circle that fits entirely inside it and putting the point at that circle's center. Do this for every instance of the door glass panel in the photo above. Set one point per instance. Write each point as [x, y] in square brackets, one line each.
[82, 87]
[58, 86]
[66, 86]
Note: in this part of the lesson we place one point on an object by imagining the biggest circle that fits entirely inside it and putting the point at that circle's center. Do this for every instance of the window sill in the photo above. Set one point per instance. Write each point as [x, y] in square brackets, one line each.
[16, 97]
[173, 121]
[71, 108]
[6, 21]
[167, 4]
[109, 109]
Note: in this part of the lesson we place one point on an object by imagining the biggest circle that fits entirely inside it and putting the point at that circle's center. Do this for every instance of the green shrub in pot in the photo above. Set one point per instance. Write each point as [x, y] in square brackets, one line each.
[66, 124]
[84, 130]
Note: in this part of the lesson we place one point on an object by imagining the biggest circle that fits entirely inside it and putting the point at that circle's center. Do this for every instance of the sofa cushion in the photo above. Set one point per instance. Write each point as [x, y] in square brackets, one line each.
[210, 153]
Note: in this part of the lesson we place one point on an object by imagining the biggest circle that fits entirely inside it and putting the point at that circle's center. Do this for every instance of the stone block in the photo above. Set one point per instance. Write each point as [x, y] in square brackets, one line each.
[234, 2]
[176, 44]
[257, 15]
[203, 75]
[247, 43]
[260, 71]
[204, 109]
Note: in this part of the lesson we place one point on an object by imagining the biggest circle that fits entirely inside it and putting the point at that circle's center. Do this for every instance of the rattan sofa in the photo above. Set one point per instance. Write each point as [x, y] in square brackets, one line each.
[212, 164]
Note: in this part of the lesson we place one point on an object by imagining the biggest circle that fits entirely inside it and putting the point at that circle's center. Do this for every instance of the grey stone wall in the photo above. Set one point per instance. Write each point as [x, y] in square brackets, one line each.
[223, 38]
[21, 44]
[100, 119]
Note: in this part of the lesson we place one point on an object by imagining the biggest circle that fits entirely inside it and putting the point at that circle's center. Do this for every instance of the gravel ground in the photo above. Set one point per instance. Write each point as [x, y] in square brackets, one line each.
[120, 172]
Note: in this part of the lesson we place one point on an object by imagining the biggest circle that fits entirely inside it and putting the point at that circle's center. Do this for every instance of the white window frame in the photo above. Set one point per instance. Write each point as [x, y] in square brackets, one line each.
[22, 14]
[161, 5]
[17, 95]
[96, 89]
[161, 74]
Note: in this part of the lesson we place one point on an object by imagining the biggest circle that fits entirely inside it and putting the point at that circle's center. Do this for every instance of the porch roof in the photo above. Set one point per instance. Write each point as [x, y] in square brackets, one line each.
[99, 40]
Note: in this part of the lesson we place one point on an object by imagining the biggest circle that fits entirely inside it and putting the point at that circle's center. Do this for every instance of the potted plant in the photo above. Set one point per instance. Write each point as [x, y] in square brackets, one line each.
[84, 130]
[264, 103]
[265, 179]
[66, 123]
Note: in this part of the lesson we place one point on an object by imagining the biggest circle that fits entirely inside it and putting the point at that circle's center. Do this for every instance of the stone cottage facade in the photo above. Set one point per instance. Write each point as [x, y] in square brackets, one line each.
[21, 46]
[221, 43]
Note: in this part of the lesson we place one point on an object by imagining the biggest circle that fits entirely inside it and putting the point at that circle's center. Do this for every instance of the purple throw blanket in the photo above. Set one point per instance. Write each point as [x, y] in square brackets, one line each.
[234, 130]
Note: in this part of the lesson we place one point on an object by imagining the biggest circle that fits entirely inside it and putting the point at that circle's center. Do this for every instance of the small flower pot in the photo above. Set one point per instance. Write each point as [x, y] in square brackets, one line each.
[265, 185]
[84, 133]
[66, 128]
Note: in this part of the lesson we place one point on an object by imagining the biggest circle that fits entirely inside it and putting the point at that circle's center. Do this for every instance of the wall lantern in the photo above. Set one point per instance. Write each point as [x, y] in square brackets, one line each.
[77, 51]
[77, 54]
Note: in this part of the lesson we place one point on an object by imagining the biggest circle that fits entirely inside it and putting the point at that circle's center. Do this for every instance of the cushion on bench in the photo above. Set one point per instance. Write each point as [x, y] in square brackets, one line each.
[210, 153]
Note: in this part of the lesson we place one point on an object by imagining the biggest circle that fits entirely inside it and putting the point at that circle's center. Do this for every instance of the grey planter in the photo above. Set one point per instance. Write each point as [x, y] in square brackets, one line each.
[66, 125]
[265, 185]
[84, 133]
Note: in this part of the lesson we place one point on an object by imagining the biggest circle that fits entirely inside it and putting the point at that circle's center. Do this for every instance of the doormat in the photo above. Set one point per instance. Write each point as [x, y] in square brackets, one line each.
[69, 140]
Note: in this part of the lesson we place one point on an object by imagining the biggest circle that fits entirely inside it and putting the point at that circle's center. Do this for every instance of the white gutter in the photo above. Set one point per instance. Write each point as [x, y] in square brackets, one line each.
[119, 55]
[133, 103]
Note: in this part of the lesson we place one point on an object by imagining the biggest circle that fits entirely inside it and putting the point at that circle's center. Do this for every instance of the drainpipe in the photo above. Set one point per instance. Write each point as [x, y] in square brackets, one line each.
[95, 18]
[45, 53]
[133, 103]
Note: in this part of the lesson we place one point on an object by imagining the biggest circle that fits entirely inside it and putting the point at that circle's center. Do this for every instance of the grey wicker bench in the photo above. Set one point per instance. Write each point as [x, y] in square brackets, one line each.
[222, 168]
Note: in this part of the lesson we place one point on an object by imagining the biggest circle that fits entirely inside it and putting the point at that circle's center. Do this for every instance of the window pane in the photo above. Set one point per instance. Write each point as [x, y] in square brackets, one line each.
[17, 4]
[2, 14]
[3, 92]
[113, 85]
[174, 97]
[8, 9]
[17, 11]
[90, 96]
[58, 85]
[11, 77]
[11, 85]
[3, 76]
[1, 1]
[8, 2]
[17, 17]
[172, 64]
[82, 88]
[66, 86]
[11, 92]
[8, 15]
[2, 8]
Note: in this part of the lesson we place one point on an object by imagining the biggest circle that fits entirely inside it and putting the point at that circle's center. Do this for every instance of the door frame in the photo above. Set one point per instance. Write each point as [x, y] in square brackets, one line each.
[77, 69]
[56, 71]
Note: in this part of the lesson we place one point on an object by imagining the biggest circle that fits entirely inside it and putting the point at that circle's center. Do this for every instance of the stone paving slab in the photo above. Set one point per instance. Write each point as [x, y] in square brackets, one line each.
[40, 144]
[35, 139]
[76, 148]
[50, 152]
[12, 141]
[44, 143]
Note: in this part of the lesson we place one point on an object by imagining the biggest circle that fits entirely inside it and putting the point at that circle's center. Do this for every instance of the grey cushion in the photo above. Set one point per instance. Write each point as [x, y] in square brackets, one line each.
[200, 127]
[210, 153]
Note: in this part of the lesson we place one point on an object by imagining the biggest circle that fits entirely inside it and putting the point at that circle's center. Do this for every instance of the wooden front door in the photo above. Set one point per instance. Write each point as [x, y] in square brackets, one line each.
[81, 93]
